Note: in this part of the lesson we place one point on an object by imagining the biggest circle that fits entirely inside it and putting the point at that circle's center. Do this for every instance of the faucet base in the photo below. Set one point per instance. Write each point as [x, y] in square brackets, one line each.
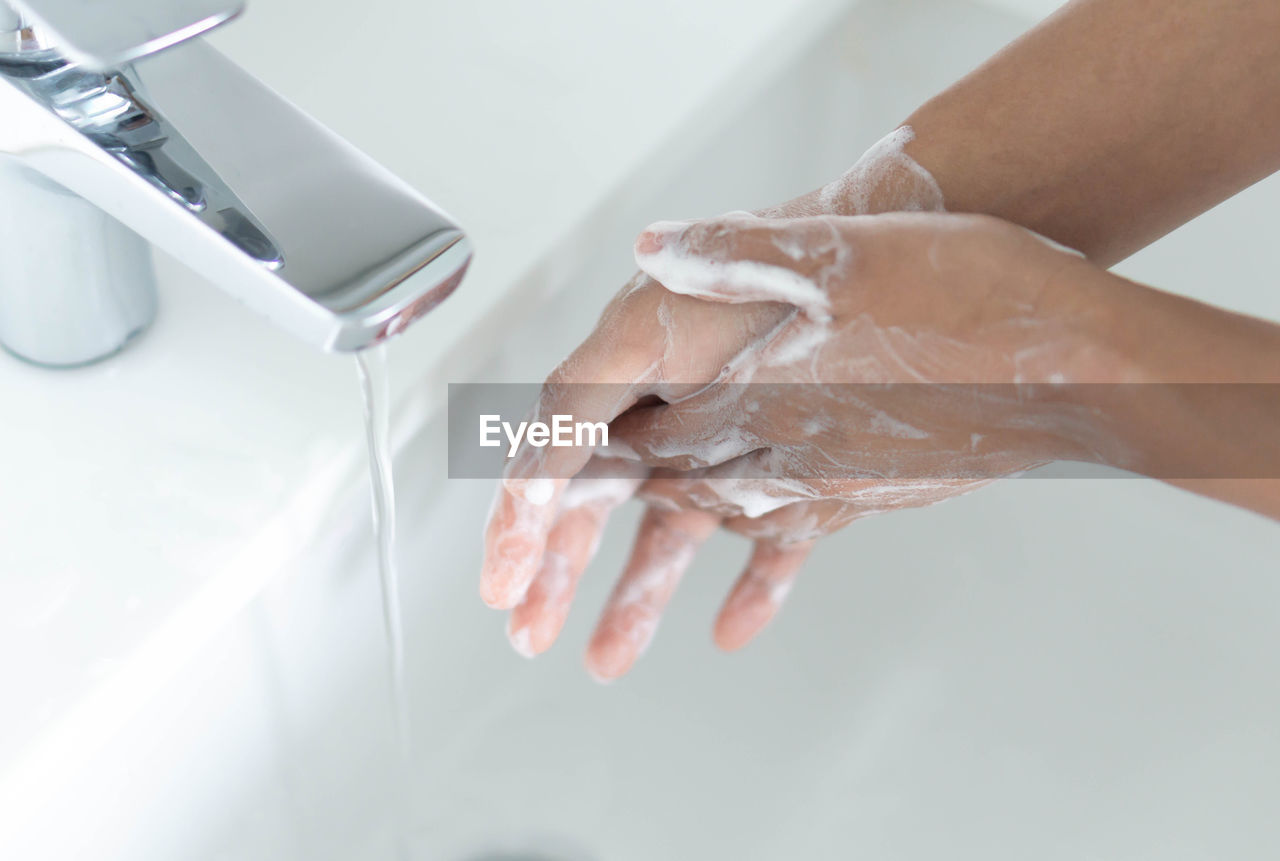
[72, 365]
[75, 284]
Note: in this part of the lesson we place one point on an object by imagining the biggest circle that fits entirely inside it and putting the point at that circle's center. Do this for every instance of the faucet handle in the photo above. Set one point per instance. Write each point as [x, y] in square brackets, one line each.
[101, 35]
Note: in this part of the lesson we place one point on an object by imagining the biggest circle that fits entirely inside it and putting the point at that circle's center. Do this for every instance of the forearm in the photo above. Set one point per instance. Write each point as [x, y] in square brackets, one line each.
[1197, 402]
[1112, 122]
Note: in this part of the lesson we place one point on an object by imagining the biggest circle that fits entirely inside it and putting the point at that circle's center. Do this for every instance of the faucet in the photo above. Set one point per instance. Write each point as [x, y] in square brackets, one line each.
[119, 129]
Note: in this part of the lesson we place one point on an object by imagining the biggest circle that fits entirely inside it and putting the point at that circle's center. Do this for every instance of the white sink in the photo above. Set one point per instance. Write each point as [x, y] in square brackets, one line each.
[1046, 669]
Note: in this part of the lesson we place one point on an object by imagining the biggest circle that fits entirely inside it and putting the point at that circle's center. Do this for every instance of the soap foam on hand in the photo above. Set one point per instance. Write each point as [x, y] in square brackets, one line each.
[661, 252]
[538, 491]
[918, 457]
[528, 520]
[582, 510]
[884, 179]
[799, 257]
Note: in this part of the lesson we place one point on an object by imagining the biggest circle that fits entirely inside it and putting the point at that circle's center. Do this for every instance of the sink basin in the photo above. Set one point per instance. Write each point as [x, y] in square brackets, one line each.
[1051, 668]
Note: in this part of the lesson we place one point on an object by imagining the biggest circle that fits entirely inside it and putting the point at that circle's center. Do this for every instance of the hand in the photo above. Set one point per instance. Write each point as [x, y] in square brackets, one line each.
[932, 301]
[653, 342]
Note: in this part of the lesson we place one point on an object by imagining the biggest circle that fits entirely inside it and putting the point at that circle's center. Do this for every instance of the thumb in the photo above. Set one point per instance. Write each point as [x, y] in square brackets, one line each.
[741, 258]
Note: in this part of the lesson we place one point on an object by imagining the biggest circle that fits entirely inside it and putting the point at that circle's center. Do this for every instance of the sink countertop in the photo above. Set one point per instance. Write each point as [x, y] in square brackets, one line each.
[147, 499]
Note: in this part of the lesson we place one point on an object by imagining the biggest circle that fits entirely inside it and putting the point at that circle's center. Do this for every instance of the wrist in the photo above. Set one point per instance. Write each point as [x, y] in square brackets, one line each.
[1180, 389]
[884, 179]
[1093, 359]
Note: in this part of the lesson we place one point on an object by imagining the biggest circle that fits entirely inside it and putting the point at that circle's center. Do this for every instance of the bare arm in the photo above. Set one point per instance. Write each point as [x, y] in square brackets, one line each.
[1206, 413]
[1112, 122]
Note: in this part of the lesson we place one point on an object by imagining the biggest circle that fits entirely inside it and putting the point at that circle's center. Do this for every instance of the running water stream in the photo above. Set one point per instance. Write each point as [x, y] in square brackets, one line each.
[371, 366]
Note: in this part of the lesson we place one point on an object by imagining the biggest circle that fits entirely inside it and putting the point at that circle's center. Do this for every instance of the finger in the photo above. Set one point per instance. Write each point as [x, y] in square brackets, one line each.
[695, 433]
[759, 592]
[536, 621]
[514, 540]
[534, 469]
[597, 383]
[740, 258]
[665, 545]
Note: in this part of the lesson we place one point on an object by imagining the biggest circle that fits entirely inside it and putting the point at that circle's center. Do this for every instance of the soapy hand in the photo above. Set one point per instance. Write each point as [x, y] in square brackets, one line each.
[665, 345]
[903, 376]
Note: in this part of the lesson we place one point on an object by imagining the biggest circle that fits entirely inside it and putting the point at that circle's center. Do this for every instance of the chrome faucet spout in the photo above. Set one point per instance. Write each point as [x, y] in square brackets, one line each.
[190, 152]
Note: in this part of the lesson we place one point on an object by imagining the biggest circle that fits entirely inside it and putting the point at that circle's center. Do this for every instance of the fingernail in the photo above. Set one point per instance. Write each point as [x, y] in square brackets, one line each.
[598, 675]
[521, 639]
[648, 243]
[494, 596]
[602, 663]
[598, 679]
[609, 657]
[657, 235]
